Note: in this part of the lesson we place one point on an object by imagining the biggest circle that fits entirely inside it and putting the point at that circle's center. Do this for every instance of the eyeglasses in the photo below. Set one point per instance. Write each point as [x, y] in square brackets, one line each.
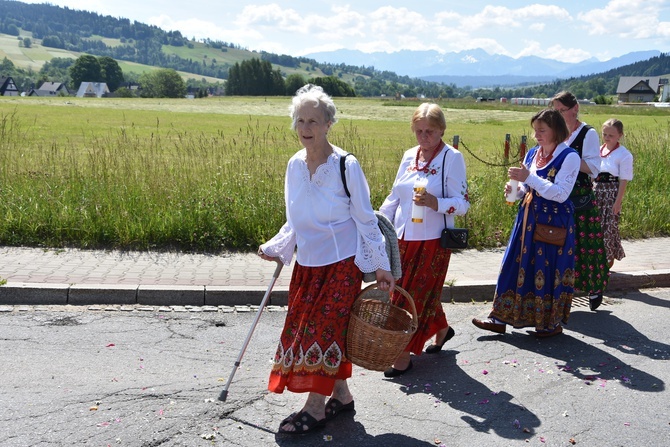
[562, 111]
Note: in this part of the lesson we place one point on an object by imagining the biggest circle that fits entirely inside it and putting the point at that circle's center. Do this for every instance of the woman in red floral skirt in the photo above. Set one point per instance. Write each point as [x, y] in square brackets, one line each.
[337, 238]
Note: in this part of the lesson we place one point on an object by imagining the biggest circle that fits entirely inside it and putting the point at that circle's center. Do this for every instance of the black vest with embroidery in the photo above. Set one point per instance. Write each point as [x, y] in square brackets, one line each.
[583, 179]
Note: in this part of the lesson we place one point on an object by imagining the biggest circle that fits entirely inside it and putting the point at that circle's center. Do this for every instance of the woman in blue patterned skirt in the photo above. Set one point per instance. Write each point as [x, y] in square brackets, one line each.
[536, 282]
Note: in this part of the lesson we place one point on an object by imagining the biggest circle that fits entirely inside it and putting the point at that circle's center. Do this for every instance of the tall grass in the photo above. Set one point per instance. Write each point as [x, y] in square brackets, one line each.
[142, 184]
[171, 190]
[646, 206]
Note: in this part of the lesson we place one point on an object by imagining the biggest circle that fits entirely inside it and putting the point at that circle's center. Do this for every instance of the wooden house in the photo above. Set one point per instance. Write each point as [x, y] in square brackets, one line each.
[639, 88]
[93, 90]
[8, 87]
[51, 89]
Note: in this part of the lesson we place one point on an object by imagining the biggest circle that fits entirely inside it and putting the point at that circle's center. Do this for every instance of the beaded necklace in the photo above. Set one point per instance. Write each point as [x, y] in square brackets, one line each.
[542, 160]
[426, 166]
[602, 148]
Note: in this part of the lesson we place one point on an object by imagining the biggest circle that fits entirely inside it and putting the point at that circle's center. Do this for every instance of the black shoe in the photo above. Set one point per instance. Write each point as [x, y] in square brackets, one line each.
[392, 372]
[595, 301]
[434, 349]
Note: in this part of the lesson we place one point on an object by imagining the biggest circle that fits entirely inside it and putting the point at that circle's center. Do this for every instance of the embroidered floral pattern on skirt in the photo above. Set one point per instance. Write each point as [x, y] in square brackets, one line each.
[424, 268]
[606, 193]
[311, 351]
[591, 268]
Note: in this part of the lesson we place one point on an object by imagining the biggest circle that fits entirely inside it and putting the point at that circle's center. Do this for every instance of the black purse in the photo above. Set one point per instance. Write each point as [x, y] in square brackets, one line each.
[452, 238]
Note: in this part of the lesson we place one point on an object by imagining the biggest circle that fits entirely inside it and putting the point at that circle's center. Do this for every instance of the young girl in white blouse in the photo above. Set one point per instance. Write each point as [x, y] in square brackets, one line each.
[616, 170]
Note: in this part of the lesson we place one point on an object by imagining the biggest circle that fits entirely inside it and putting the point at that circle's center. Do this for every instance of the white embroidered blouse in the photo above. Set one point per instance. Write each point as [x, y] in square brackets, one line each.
[398, 205]
[619, 163]
[323, 223]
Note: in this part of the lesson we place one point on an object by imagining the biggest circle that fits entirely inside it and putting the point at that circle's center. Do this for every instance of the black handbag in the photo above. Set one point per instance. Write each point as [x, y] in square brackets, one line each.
[452, 238]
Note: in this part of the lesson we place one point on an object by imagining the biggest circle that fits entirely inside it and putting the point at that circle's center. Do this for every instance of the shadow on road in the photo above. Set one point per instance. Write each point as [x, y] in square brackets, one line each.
[351, 434]
[640, 296]
[588, 362]
[491, 411]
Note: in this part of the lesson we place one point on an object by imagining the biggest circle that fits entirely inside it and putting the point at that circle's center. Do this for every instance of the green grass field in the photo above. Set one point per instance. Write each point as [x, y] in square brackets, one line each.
[207, 174]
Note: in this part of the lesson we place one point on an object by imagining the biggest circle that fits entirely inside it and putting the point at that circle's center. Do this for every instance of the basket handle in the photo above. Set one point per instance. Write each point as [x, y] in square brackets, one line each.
[404, 293]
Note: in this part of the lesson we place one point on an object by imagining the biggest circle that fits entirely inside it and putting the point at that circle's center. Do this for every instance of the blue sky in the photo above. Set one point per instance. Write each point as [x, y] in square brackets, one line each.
[568, 30]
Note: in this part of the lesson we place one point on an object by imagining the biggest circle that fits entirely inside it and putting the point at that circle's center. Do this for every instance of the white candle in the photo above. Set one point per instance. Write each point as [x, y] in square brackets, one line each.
[419, 212]
[512, 195]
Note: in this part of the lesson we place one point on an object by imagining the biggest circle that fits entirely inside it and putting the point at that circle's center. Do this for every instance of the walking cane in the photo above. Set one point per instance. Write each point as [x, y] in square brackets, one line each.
[275, 275]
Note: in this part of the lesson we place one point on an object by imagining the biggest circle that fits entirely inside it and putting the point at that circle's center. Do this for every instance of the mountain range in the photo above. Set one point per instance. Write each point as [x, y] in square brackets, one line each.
[477, 68]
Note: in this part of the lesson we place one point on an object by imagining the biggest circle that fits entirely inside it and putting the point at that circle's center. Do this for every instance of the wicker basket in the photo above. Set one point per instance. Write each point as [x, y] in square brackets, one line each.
[379, 331]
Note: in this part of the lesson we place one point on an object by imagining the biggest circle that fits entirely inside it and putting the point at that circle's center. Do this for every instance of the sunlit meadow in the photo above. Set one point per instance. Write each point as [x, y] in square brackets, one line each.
[207, 175]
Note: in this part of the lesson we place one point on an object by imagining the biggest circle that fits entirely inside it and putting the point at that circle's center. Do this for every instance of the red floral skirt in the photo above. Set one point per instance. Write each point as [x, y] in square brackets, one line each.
[311, 351]
[424, 269]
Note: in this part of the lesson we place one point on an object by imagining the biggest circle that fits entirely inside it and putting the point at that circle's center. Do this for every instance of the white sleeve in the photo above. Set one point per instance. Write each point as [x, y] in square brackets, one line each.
[626, 166]
[371, 248]
[560, 189]
[282, 245]
[591, 152]
[456, 188]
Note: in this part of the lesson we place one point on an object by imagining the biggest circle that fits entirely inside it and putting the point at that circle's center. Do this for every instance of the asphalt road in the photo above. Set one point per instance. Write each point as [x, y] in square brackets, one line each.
[74, 376]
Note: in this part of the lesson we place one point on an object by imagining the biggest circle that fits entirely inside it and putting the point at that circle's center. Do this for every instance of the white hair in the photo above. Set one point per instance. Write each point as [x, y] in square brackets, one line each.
[313, 94]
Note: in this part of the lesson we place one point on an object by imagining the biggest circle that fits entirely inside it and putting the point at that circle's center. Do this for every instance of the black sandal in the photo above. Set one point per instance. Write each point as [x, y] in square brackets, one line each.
[335, 407]
[303, 423]
[288, 419]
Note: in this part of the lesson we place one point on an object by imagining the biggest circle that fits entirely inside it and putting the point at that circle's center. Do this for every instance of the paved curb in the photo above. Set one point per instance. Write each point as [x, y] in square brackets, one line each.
[14, 293]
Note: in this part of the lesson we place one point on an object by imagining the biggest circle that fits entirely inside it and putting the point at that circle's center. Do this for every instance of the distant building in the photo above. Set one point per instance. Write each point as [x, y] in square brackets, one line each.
[8, 87]
[639, 88]
[50, 89]
[530, 101]
[93, 90]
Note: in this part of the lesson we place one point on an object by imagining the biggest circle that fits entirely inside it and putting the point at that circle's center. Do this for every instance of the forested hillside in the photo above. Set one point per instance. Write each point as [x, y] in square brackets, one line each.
[85, 32]
[125, 40]
[592, 86]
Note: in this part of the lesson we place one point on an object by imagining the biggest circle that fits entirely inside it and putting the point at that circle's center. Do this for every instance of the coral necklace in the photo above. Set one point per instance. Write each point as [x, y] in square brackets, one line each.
[427, 165]
[542, 159]
[609, 151]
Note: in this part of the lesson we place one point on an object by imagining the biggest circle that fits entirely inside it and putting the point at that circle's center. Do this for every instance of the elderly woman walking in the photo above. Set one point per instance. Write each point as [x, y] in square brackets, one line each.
[337, 239]
[441, 170]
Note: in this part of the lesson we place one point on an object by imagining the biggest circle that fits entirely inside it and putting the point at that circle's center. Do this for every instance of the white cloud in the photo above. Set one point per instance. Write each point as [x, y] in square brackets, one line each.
[273, 16]
[556, 52]
[631, 19]
[503, 17]
[531, 48]
[559, 53]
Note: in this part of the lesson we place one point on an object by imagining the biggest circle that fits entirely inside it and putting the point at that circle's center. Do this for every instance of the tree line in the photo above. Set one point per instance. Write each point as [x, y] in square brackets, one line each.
[256, 77]
[75, 31]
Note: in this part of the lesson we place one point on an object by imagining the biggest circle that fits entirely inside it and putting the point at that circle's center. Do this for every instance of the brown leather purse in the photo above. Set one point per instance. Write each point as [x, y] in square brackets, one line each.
[550, 234]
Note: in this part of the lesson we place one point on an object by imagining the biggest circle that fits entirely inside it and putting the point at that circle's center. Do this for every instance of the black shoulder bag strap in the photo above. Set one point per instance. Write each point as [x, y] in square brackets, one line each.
[444, 161]
[342, 169]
